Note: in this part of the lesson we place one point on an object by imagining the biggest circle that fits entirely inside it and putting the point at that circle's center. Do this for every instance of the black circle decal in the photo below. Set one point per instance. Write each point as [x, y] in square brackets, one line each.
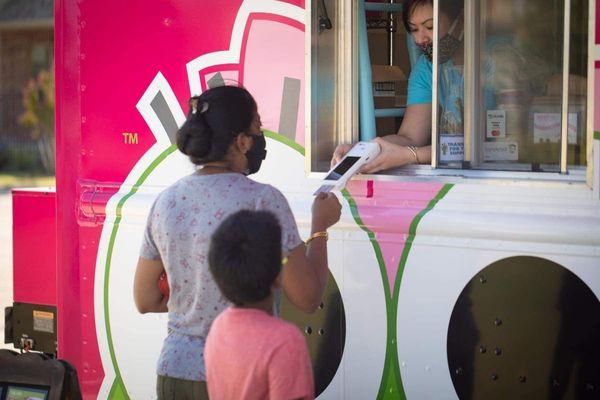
[525, 328]
[325, 333]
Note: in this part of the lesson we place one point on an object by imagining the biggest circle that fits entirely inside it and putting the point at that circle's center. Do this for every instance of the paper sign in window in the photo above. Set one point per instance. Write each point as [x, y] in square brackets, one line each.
[547, 127]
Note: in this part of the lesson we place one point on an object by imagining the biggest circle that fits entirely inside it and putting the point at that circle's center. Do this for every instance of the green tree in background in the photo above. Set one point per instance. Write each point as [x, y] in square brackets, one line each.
[38, 100]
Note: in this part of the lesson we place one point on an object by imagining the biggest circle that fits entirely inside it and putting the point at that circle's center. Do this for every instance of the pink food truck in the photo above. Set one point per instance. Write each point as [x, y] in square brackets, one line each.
[473, 276]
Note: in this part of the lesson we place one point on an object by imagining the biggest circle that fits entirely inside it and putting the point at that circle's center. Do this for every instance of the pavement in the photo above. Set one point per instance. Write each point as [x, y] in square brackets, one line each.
[6, 260]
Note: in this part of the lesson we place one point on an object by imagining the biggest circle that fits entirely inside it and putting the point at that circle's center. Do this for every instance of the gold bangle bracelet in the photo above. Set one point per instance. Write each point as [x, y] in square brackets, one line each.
[413, 150]
[316, 235]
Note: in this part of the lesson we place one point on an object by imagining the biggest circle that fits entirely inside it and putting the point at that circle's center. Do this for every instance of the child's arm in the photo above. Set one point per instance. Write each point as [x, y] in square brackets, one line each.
[290, 369]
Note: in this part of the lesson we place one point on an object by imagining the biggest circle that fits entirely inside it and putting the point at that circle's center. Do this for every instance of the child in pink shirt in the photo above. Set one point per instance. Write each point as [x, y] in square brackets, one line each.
[249, 353]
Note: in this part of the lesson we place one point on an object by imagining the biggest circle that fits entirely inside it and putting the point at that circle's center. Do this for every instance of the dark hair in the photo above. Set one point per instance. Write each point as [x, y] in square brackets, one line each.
[245, 255]
[215, 118]
[451, 8]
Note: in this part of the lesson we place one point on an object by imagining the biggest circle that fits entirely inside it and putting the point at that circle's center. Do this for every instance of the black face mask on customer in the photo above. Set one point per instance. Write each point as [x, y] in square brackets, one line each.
[256, 154]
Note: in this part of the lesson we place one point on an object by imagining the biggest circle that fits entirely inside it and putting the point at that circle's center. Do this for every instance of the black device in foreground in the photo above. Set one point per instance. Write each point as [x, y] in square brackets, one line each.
[36, 376]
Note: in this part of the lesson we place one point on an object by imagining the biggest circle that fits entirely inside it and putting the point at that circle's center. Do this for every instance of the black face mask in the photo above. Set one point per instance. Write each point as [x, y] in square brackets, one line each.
[256, 154]
[447, 46]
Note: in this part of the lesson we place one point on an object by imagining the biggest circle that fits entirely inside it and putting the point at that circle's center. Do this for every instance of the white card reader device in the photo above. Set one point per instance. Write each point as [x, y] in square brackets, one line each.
[340, 174]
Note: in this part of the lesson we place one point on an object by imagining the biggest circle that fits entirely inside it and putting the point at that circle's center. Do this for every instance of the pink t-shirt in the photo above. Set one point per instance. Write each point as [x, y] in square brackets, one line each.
[252, 355]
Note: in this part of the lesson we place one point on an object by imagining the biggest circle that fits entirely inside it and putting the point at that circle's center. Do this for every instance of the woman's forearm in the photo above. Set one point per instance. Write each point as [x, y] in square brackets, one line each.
[398, 139]
[316, 253]
[423, 152]
[306, 272]
[146, 293]
[303, 273]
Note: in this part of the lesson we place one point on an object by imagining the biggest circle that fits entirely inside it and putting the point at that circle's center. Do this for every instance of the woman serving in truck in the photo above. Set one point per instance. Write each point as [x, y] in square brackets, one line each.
[502, 67]
[412, 143]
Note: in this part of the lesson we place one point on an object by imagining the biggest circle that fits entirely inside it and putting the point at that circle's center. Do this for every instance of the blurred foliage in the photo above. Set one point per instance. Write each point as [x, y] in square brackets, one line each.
[15, 180]
[21, 160]
[38, 101]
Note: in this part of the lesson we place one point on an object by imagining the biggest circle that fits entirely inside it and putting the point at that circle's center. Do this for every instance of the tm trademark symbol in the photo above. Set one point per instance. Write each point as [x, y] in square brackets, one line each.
[130, 138]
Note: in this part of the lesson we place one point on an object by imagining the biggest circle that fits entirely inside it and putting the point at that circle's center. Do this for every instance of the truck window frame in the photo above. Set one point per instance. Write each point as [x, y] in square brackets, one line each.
[345, 130]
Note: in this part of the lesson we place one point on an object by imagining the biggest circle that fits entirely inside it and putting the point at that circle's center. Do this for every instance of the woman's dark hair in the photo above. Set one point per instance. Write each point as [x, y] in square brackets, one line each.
[215, 118]
[451, 8]
[245, 256]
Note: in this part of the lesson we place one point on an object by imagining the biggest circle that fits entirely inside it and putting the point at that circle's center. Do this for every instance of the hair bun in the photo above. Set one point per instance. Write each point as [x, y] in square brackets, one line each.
[215, 118]
[194, 136]
[196, 103]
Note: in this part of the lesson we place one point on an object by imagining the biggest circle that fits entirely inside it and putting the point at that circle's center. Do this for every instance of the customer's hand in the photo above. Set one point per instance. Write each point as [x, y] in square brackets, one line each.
[326, 211]
[339, 153]
[391, 156]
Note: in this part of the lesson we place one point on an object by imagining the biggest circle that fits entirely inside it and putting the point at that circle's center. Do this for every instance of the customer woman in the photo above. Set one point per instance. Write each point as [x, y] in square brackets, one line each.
[222, 136]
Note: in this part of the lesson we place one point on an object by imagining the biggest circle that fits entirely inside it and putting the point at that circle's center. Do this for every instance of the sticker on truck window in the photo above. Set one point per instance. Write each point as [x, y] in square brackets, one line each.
[496, 124]
[452, 147]
[501, 151]
[547, 127]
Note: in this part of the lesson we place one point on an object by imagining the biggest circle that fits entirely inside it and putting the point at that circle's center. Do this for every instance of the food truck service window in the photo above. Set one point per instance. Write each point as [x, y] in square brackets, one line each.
[510, 81]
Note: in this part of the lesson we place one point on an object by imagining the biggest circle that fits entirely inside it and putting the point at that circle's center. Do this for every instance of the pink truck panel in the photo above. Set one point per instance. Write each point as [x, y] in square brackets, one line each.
[404, 252]
[34, 246]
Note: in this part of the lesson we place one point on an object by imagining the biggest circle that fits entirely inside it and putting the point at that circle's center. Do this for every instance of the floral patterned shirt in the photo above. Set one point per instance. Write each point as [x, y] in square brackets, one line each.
[178, 232]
